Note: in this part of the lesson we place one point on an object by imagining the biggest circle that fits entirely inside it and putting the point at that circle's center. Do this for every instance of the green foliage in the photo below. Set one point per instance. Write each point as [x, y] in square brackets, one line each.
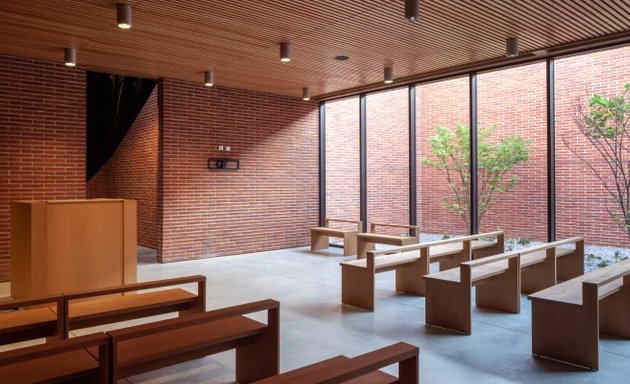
[523, 241]
[451, 156]
[446, 236]
[603, 263]
[605, 122]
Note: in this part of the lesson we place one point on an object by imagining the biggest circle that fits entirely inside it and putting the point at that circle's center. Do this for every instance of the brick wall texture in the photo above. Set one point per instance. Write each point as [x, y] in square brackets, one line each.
[515, 100]
[132, 172]
[270, 203]
[42, 137]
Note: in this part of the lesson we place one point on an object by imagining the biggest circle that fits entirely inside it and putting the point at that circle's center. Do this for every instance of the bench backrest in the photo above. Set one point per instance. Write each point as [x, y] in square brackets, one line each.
[404, 354]
[592, 285]
[414, 230]
[33, 353]
[465, 268]
[11, 335]
[358, 223]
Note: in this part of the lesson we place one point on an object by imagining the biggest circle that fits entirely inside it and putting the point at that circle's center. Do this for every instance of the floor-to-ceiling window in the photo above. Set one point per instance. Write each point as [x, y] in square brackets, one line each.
[512, 152]
[442, 192]
[387, 126]
[592, 160]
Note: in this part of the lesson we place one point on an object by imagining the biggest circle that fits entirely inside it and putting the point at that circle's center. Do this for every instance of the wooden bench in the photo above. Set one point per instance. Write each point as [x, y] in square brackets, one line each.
[544, 265]
[320, 236]
[567, 318]
[366, 241]
[67, 361]
[499, 280]
[410, 263]
[29, 320]
[448, 293]
[147, 347]
[103, 306]
[363, 369]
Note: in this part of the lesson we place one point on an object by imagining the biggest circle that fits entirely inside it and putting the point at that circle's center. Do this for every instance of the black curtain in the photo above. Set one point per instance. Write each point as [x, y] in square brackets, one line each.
[112, 104]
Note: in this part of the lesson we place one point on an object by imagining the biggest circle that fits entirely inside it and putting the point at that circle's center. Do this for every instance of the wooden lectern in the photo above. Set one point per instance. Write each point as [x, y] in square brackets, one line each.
[61, 246]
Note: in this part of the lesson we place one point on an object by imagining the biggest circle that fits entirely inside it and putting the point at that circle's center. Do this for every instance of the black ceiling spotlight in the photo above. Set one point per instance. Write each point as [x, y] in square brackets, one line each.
[412, 10]
[285, 52]
[123, 16]
[511, 47]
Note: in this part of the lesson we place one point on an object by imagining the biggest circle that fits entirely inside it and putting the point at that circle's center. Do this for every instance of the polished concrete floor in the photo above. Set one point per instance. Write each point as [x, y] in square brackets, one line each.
[315, 326]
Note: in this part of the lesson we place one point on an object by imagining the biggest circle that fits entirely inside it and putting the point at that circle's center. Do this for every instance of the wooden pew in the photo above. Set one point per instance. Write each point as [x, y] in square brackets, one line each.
[26, 322]
[448, 293]
[410, 263]
[67, 361]
[362, 369]
[567, 318]
[544, 265]
[103, 306]
[367, 241]
[320, 236]
[147, 347]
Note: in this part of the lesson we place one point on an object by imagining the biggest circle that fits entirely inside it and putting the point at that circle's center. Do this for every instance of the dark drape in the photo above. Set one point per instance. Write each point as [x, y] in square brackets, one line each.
[112, 103]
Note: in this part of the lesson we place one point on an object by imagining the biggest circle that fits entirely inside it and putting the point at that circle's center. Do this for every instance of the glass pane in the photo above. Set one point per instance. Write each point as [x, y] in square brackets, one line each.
[443, 193]
[388, 158]
[590, 167]
[512, 153]
[342, 160]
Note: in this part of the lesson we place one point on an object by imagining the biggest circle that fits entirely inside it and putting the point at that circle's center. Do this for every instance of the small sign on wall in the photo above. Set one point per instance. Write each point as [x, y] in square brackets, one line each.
[223, 164]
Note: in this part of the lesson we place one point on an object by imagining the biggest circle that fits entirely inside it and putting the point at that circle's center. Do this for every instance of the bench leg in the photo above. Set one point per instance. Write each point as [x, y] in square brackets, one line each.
[500, 293]
[260, 359]
[540, 276]
[614, 312]
[350, 244]
[357, 287]
[448, 306]
[565, 333]
[409, 279]
[319, 241]
[571, 265]
[363, 247]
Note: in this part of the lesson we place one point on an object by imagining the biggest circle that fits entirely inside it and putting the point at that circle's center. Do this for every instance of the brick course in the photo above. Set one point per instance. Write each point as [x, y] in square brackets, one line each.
[42, 137]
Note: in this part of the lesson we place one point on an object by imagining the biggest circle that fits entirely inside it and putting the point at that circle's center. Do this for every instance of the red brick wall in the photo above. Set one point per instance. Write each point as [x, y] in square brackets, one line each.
[581, 200]
[439, 103]
[343, 159]
[387, 126]
[42, 136]
[270, 203]
[132, 172]
[515, 99]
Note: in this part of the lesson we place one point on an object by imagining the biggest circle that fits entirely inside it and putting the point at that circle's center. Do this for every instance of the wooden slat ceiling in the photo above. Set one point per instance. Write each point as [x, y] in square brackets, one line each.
[239, 40]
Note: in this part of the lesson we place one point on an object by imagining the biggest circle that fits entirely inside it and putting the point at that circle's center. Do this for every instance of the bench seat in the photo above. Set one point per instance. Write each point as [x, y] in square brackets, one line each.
[25, 324]
[529, 259]
[63, 367]
[479, 273]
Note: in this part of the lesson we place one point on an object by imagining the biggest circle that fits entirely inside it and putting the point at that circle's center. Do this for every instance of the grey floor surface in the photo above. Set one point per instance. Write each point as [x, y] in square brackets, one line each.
[315, 326]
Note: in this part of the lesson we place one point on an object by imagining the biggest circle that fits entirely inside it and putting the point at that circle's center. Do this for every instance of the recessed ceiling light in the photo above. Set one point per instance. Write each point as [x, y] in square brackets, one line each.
[341, 57]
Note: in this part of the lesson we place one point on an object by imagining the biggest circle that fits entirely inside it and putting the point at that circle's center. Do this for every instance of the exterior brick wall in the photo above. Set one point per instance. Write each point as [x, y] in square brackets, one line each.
[42, 137]
[387, 129]
[270, 203]
[343, 160]
[515, 99]
[132, 172]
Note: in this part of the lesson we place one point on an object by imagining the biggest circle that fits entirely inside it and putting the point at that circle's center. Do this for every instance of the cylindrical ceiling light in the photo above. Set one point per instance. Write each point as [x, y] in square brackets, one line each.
[306, 94]
[388, 75]
[285, 52]
[123, 16]
[412, 10]
[511, 47]
[70, 56]
[208, 79]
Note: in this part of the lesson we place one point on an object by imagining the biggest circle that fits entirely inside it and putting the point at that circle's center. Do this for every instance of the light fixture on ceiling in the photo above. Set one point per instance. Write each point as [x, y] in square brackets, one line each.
[412, 10]
[123, 16]
[208, 79]
[511, 47]
[285, 52]
[70, 56]
[306, 94]
[388, 75]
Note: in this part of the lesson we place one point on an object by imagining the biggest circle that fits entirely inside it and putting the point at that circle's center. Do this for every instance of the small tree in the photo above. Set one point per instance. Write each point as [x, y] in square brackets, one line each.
[451, 156]
[605, 122]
